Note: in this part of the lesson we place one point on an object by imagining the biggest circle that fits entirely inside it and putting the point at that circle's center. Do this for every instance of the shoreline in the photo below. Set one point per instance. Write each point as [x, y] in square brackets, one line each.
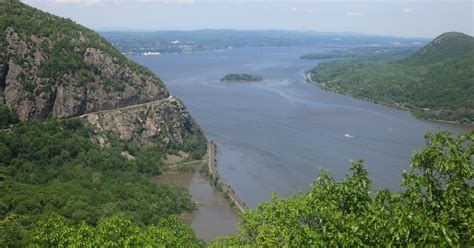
[219, 183]
[208, 169]
[213, 216]
[310, 80]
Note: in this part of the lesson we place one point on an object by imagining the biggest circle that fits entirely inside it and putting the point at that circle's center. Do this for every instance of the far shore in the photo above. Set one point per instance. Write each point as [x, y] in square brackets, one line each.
[311, 81]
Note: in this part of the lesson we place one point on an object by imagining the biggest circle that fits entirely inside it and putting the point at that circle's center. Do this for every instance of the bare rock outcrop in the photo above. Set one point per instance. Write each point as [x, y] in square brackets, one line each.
[101, 81]
[162, 121]
[53, 66]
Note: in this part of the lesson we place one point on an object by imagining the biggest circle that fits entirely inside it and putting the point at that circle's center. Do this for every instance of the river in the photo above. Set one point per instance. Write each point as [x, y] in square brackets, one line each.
[277, 135]
[214, 216]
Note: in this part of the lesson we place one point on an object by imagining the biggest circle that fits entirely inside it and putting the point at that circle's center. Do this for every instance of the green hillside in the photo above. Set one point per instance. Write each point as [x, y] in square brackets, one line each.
[58, 168]
[64, 172]
[437, 82]
[368, 53]
[51, 65]
[446, 46]
[66, 183]
[62, 39]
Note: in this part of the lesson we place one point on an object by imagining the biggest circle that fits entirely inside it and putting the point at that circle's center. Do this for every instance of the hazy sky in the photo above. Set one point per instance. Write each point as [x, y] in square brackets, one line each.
[423, 18]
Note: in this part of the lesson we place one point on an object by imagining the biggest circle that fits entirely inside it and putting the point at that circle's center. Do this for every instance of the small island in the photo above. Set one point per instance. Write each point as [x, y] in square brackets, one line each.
[242, 77]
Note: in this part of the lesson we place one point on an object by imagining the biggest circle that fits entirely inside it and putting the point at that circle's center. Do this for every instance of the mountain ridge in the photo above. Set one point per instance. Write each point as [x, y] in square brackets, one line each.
[51, 66]
[436, 82]
[449, 45]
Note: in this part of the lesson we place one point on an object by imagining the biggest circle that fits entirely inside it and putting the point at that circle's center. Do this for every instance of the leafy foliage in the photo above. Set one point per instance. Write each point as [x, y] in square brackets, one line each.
[434, 83]
[55, 167]
[113, 232]
[62, 44]
[435, 208]
[8, 116]
[448, 45]
[197, 147]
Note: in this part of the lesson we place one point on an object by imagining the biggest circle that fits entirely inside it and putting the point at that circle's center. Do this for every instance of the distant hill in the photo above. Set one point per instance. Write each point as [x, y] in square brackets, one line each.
[220, 39]
[450, 45]
[436, 82]
[369, 53]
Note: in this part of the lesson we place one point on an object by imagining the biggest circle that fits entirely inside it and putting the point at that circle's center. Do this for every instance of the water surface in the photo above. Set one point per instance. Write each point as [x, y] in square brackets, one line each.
[214, 216]
[276, 135]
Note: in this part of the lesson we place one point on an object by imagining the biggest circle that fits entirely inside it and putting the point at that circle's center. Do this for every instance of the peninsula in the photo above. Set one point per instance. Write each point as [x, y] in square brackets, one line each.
[433, 83]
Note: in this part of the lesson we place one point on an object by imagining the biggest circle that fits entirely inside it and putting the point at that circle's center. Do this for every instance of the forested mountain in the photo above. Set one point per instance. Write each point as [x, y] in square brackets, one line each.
[436, 82]
[367, 53]
[61, 168]
[82, 131]
[445, 47]
[52, 65]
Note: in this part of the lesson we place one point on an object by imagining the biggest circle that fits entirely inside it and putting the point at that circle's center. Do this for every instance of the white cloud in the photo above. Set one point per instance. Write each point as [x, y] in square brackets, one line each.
[407, 10]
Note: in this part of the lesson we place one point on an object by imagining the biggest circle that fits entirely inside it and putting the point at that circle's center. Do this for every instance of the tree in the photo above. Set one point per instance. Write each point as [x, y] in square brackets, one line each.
[434, 208]
[113, 232]
[7, 116]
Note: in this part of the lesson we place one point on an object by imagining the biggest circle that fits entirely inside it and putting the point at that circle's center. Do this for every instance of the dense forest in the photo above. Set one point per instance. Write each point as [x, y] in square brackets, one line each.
[58, 188]
[63, 174]
[435, 82]
[64, 183]
[57, 167]
[7, 116]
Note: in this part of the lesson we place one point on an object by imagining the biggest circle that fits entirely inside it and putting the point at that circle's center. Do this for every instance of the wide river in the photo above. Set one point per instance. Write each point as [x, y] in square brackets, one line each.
[277, 135]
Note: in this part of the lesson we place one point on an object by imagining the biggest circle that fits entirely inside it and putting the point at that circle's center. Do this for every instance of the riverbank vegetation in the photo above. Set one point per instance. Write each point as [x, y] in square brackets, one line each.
[433, 83]
[113, 232]
[56, 167]
[434, 208]
[59, 188]
[242, 77]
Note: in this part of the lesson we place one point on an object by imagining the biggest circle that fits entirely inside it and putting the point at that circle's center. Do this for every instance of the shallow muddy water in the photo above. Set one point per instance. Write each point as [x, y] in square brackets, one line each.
[214, 216]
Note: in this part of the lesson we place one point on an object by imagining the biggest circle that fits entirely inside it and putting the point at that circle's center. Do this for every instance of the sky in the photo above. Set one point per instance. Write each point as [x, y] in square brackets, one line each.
[422, 18]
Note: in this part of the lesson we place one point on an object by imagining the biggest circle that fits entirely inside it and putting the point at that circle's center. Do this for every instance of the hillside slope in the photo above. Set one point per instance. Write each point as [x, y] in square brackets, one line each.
[52, 65]
[91, 165]
[436, 82]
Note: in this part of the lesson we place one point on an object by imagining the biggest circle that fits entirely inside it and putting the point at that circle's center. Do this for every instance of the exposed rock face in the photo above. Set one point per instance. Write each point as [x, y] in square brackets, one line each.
[109, 85]
[53, 66]
[162, 121]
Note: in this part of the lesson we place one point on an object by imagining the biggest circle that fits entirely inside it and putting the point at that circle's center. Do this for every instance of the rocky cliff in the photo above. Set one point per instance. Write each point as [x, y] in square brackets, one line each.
[163, 121]
[51, 66]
